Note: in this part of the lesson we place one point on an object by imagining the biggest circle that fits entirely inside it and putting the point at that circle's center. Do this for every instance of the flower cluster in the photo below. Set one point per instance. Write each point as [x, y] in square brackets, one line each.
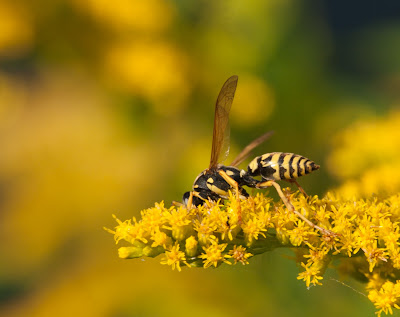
[365, 157]
[364, 239]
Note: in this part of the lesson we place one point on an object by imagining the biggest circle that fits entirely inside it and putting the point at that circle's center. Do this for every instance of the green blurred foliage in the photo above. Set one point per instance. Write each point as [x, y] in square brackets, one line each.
[106, 107]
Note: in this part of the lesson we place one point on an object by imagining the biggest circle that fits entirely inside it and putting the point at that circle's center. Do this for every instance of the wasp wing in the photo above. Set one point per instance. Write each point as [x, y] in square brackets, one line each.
[220, 142]
[246, 151]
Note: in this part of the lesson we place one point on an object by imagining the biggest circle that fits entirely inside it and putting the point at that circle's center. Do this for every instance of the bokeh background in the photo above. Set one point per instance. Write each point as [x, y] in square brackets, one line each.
[107, 107]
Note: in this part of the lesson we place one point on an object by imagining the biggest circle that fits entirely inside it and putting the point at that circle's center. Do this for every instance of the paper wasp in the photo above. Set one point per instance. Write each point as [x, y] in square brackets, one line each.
[214, 182]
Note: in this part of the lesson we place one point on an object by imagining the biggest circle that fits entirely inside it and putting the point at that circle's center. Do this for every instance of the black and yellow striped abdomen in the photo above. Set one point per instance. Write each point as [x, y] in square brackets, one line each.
[281, 166]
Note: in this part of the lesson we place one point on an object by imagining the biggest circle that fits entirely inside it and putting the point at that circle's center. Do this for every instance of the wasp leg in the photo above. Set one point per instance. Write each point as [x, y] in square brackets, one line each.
[234, 185]
[291, 208]
[195, 199]
[293, 181]
[191, 202]
[230, 181]
[177, 203]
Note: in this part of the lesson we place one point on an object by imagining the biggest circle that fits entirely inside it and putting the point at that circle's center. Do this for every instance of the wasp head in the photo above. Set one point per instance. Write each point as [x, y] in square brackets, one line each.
[196, 201]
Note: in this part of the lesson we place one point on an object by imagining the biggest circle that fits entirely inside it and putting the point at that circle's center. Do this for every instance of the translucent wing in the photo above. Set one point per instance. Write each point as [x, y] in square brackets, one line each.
[220, 142]
[246, 151]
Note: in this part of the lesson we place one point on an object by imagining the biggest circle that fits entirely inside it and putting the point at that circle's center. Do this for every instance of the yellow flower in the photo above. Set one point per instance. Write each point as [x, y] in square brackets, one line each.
[372, 164]
[154, 218]
[316, 255]
[205, 230]
[126, 231]
[395, 258]
[214, 254]
[299, 234]
[252, 228]
[191, 246]
[310, 275]
[386, 297]
[389, 233]
[161, 239]
[365, 234]
[347, 243]
[373, 254]
[225, 220]
[174, 257]
[178, 222]
[239, 254]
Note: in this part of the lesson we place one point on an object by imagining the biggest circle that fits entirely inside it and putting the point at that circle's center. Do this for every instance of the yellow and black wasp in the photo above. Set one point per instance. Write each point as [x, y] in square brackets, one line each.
[214, 182]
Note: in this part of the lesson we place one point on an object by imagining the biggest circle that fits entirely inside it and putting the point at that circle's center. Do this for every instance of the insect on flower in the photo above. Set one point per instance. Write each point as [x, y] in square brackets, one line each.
[214, 182]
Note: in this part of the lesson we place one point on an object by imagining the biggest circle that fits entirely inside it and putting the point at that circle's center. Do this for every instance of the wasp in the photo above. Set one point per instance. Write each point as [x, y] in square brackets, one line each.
[214, 182]
[217, 180]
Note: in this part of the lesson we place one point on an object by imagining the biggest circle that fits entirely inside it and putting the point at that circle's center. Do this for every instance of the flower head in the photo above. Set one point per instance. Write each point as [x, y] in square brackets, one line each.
[214, 254]
[239, 254]
[174, 257]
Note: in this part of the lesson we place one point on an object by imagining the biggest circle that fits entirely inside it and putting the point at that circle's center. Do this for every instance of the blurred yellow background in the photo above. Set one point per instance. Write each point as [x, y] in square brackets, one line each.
[107, 107]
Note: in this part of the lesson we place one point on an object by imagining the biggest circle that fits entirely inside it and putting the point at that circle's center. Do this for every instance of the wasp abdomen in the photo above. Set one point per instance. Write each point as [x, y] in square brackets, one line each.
[281, 166]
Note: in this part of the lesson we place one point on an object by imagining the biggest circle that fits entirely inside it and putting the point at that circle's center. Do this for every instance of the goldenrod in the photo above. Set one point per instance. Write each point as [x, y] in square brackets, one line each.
[364, 240]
